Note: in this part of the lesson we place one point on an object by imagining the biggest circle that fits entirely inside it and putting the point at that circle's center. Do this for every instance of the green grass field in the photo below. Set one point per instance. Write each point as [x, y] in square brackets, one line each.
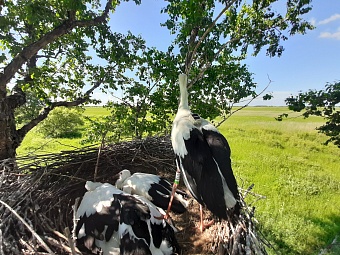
[299, 176]
[288, 164]
[35, 143]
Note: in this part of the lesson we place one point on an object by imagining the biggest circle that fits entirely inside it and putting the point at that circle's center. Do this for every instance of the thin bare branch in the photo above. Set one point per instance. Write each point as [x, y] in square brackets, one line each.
[75, 220]
[70, 241]
[98, 156]
[123, 101]
[244, 106]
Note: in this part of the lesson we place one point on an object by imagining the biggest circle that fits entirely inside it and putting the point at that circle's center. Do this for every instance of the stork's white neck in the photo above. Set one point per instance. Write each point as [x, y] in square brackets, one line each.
[183, 81]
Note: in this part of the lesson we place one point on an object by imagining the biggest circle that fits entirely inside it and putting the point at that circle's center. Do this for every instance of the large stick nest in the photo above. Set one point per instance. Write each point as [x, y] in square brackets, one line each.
[38, 194]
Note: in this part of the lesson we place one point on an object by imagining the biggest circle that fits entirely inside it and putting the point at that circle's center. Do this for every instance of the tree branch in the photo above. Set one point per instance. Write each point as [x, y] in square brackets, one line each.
[199, 76]
[192, 55]
[17, 99]
[123, 101]
[43, 115]
[189, 57]
[244, 106]
[29, 51]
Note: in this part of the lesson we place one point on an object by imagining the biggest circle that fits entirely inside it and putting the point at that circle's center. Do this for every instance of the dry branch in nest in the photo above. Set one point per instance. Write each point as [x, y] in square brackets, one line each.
[43, 189]
[239, 235]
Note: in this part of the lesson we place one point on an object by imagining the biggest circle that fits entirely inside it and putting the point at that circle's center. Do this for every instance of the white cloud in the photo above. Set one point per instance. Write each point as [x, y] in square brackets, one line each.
[313, 21]
[335, 35]
[330, 19]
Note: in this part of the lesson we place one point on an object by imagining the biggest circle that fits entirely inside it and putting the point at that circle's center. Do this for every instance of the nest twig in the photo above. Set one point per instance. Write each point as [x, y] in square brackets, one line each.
[240, 235]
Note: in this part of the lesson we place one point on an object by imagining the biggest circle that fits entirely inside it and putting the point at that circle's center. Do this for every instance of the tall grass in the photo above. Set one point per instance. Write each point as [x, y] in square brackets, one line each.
[288, 164]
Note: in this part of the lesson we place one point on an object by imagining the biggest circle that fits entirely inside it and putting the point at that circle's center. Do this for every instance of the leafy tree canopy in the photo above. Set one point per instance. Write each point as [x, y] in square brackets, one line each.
[215, 36]
[320, 103]
[212, 40]
[61, 51]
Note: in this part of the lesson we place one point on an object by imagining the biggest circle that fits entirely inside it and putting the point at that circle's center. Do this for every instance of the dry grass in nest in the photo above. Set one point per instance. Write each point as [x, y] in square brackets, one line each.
[37, 194]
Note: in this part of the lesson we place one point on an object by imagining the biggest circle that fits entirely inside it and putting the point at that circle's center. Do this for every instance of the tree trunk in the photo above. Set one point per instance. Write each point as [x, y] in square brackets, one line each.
[8, 133]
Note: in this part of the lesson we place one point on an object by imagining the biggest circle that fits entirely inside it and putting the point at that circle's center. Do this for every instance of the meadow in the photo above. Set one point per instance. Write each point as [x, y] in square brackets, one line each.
[288, 165]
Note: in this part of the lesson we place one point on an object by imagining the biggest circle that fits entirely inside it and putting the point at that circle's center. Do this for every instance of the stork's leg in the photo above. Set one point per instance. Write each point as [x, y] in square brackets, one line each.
[203, 226]
[174, 187]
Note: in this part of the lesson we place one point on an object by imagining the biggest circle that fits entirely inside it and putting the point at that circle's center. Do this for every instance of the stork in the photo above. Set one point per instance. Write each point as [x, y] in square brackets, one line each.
[119, 223]
[155, 188]
[203, 158]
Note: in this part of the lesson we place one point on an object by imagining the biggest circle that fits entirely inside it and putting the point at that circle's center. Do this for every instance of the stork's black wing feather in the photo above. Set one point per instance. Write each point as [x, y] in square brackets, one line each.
[133, 246]
[220, 150]
[160, 193]
[202, 174]
[94, 225]
[166, 184]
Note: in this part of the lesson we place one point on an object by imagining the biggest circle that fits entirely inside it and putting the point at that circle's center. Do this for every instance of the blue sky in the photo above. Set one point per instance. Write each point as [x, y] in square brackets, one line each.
[308, 62]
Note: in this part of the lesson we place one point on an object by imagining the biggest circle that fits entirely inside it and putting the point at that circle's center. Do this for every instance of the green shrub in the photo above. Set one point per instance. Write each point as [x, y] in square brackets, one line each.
[62, 122]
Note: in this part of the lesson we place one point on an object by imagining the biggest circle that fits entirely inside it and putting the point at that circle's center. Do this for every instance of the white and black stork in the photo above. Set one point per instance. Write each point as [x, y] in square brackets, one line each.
[155, 188]
[119, 223]
[203, 158]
